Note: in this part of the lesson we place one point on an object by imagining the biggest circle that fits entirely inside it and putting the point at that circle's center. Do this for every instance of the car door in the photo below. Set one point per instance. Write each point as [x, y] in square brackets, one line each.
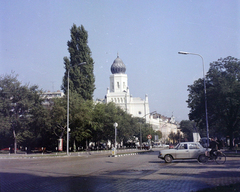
[194, 150]
[182, 152]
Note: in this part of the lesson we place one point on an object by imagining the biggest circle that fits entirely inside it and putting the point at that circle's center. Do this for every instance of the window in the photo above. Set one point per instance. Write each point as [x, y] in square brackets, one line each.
[183, 146]
[193, 146]
[118, 85]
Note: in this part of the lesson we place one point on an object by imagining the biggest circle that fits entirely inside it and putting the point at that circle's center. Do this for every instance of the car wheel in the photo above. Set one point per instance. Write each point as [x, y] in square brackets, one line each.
[168, 158]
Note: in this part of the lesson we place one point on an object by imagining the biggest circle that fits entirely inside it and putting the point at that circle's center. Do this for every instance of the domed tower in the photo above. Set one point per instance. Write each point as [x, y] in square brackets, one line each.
[119, 92]
[118, 79]
[118, 66]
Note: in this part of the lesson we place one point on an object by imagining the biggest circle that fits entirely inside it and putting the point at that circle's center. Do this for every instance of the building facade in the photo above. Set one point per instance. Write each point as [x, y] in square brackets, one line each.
[48, 96]
[119, 93]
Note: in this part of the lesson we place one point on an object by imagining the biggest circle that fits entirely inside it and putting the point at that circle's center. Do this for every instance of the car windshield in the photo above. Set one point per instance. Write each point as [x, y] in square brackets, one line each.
[200, 145]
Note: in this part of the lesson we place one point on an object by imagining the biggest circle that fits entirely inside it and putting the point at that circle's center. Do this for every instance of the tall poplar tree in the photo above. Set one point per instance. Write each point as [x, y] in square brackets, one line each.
[81, 77]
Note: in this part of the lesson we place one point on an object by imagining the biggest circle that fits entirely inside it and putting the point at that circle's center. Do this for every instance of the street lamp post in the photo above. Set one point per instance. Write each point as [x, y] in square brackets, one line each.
[114, 149]
[68, 110]
[205, 92]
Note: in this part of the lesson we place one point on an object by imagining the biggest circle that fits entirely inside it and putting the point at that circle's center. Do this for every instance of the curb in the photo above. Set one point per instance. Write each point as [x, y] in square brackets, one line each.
[129, 154]
[25, 156]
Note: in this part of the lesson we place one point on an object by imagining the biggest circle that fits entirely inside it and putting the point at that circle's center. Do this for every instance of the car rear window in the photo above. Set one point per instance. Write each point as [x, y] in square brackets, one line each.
[193, 146]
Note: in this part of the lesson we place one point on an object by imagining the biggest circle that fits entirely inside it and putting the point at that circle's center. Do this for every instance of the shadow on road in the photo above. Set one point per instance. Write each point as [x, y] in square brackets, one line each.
[24, 182]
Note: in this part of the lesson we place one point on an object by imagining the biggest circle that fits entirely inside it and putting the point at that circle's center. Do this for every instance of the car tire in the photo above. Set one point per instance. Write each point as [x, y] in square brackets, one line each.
[168, 158]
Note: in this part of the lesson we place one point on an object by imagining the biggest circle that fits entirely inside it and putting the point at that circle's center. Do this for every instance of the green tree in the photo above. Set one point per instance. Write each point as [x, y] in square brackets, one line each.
[178, 136]
[147, 130]
[128, 126]
[223, 90]
[172, 136]
[40, 134]
[175, 137]
[17, 111]
[105, 115]
[81, 78]
[159, 134]
[81, 123]
[187, 127]
[58, 117]
[104, 121]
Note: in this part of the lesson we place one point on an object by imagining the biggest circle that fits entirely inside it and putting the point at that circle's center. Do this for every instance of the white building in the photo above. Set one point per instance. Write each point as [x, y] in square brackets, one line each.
[119, 93]
[52, 95]
[48, 96]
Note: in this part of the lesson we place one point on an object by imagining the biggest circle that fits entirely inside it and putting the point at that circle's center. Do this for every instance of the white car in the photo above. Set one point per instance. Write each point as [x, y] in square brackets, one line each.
[183, 150]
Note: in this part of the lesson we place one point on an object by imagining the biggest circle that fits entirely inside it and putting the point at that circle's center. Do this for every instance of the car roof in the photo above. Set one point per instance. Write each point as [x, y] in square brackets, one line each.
[188, 142]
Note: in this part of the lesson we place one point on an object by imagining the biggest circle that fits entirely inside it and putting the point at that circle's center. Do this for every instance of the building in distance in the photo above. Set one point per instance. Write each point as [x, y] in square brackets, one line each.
[119, 93]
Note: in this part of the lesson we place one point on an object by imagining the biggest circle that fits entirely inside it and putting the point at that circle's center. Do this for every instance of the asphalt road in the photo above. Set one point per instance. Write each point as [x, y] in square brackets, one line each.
[144, 172]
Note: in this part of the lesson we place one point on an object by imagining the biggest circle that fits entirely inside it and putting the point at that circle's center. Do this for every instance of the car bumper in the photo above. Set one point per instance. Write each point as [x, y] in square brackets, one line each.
[160, 156]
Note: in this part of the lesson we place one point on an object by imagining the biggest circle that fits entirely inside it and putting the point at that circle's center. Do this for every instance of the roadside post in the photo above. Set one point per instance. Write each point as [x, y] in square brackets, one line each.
[114, 149]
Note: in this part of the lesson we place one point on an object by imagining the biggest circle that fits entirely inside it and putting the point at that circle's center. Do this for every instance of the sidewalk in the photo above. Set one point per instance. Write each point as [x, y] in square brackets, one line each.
[120, 152]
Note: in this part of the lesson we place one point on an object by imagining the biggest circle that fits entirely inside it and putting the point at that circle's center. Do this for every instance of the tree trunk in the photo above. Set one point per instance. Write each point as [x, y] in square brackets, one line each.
[74, 146]
[86, 145]
[231, 141]
[15, 142]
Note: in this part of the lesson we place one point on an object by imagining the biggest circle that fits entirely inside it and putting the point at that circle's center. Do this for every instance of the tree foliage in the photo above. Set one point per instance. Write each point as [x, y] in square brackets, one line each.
[223, 90]
[105, 115]
[20, 112]
[24, 119]
[188, 128]
[58, 116]
[175, 137]
[81, 78]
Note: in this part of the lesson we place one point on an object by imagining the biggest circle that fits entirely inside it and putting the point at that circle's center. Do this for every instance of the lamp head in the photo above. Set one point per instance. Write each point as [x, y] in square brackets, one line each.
[183, 52]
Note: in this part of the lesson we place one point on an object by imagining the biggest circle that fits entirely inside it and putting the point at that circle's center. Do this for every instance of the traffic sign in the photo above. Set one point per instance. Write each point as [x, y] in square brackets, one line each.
[149, 136]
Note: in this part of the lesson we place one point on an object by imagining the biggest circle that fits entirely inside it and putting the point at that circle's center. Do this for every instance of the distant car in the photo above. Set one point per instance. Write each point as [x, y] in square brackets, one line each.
[157, 145]
[144, 146]
[183, 150]
[165, 145]
[7, 150]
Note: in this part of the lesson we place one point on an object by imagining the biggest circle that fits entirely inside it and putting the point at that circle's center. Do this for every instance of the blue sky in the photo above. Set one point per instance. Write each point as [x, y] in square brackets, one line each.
[146, 34]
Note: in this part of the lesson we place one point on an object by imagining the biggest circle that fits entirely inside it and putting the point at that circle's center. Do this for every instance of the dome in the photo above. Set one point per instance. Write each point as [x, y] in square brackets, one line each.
[118, 66]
